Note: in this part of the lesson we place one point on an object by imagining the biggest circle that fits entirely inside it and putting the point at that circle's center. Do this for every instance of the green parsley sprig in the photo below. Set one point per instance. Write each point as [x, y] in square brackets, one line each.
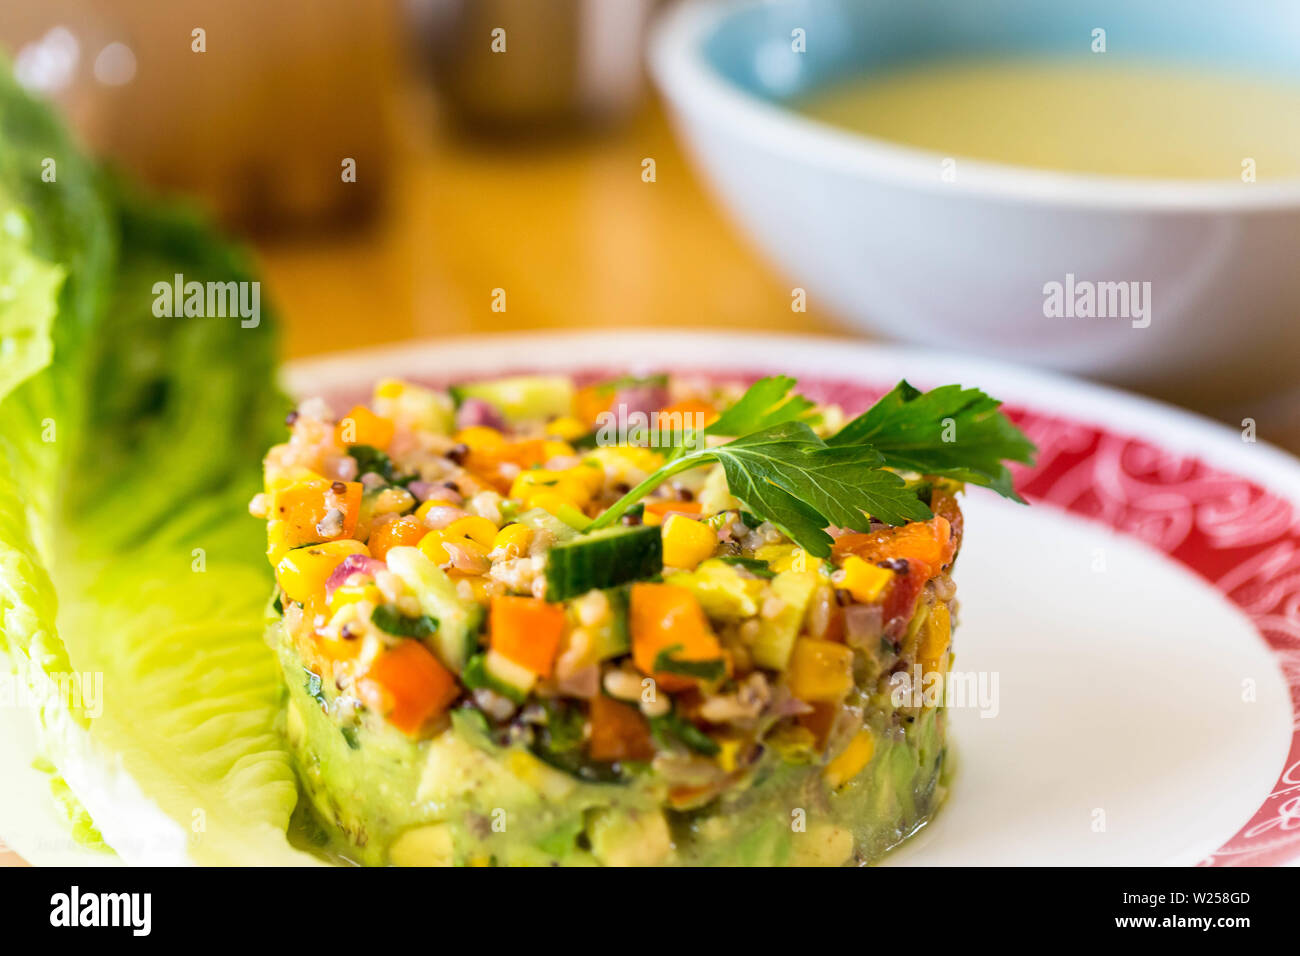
[779, 468]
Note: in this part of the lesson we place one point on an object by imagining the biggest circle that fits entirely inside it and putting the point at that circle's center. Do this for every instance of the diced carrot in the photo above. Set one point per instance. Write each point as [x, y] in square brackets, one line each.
[664, 617]
[657, 510]
[398, 533]
[486, 462]
[408, 685]
[528, 631]
[929, 542]
[682, 415]
[591, 401]
[361, 426]
[303, 505]
[618, 731]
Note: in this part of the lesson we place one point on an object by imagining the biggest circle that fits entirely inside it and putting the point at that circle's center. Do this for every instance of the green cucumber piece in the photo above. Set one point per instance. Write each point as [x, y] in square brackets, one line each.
[603, 559]
[459, 621]
[613, 638]
[776, 635]
[495, 672]
[523, 398]
[541, 520]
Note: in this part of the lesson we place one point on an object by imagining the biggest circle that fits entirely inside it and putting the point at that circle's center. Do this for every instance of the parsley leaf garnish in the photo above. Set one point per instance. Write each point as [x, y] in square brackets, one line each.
[950, 431]
[766, 403]
[796, 481]
[781, 470]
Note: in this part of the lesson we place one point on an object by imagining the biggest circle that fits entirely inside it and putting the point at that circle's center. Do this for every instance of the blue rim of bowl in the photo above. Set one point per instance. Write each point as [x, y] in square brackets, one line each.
[692, 86]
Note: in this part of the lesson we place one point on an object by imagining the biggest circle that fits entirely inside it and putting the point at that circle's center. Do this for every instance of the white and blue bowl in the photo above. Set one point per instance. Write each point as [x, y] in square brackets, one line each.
[874, 231]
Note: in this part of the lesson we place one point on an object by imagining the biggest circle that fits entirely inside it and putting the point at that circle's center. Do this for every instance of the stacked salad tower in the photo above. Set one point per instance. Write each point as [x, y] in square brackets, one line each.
[645, 621]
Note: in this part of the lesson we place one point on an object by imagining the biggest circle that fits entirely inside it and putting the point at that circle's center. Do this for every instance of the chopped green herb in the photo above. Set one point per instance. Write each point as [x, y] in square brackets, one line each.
[705, 670]
[390, 620]
[752, 565]
[673, 727]
[350, 735]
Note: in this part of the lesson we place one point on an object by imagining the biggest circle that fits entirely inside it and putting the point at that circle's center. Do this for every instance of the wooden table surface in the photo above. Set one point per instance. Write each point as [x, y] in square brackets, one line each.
[566, 227]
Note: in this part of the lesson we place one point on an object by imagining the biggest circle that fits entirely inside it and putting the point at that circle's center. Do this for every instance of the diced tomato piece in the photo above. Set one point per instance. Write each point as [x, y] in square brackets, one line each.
[929, 542]
[618, 731]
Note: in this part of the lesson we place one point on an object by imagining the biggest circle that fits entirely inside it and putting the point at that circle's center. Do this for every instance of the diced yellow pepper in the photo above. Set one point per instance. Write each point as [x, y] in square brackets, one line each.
[936, 634]
[687, 542]
[476, 528]
[864, 580]
[513, 540]
[302, 572]
[820, 670]
[849, 762]
[481, 438]
[568, 428]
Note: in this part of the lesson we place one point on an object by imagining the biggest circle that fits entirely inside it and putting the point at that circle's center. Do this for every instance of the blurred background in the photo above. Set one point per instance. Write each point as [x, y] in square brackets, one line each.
[392, 170]
[473, 171]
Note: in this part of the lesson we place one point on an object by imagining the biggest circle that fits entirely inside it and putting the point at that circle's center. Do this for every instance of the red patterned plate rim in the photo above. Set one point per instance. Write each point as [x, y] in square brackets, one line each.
[1226, 508]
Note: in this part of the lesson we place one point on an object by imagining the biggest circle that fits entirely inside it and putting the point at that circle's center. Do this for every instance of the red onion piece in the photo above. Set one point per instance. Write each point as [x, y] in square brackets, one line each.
[478, 412]
[646, 399]
[351, 565]
[863, 625]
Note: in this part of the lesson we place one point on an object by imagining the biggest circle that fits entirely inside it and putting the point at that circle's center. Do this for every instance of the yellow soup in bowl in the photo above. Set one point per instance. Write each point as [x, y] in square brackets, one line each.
[1079, 115]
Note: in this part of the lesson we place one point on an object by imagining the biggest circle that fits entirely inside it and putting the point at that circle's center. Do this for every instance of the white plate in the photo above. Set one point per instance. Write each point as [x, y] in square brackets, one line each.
[1142, 617]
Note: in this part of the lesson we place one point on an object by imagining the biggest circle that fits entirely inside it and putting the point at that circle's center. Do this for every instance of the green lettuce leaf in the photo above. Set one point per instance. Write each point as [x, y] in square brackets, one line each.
[129, 446]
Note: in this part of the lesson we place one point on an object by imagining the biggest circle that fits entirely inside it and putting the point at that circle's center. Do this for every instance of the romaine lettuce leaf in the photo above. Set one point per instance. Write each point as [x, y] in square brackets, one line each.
[129, 445]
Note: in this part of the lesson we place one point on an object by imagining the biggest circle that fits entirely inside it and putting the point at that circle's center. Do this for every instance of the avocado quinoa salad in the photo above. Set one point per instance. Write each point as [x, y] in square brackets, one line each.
[647, 621]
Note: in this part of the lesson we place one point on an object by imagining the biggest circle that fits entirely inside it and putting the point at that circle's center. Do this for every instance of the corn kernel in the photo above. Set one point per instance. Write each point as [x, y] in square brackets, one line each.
[513, 540]
[864, 580]
[302, 572]
[820, 670]
[432, 545]
[568, 428]
[344, 596]
[687, 542]
[728, 754]
[476, 528]
[849, 762]
[422, 512]
[389, 388]
[787, 557]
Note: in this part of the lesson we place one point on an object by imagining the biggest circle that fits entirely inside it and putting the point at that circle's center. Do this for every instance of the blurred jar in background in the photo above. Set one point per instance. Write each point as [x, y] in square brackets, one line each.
[511, 66]
[256, 114]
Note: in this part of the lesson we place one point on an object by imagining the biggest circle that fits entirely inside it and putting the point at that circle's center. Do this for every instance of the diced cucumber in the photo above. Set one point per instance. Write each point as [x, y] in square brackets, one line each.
[603, 559]
[612, 638]
[776, 635]
[541, 520]
[458, 620]
[495, 672]
[722, 590]
[523, 398]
